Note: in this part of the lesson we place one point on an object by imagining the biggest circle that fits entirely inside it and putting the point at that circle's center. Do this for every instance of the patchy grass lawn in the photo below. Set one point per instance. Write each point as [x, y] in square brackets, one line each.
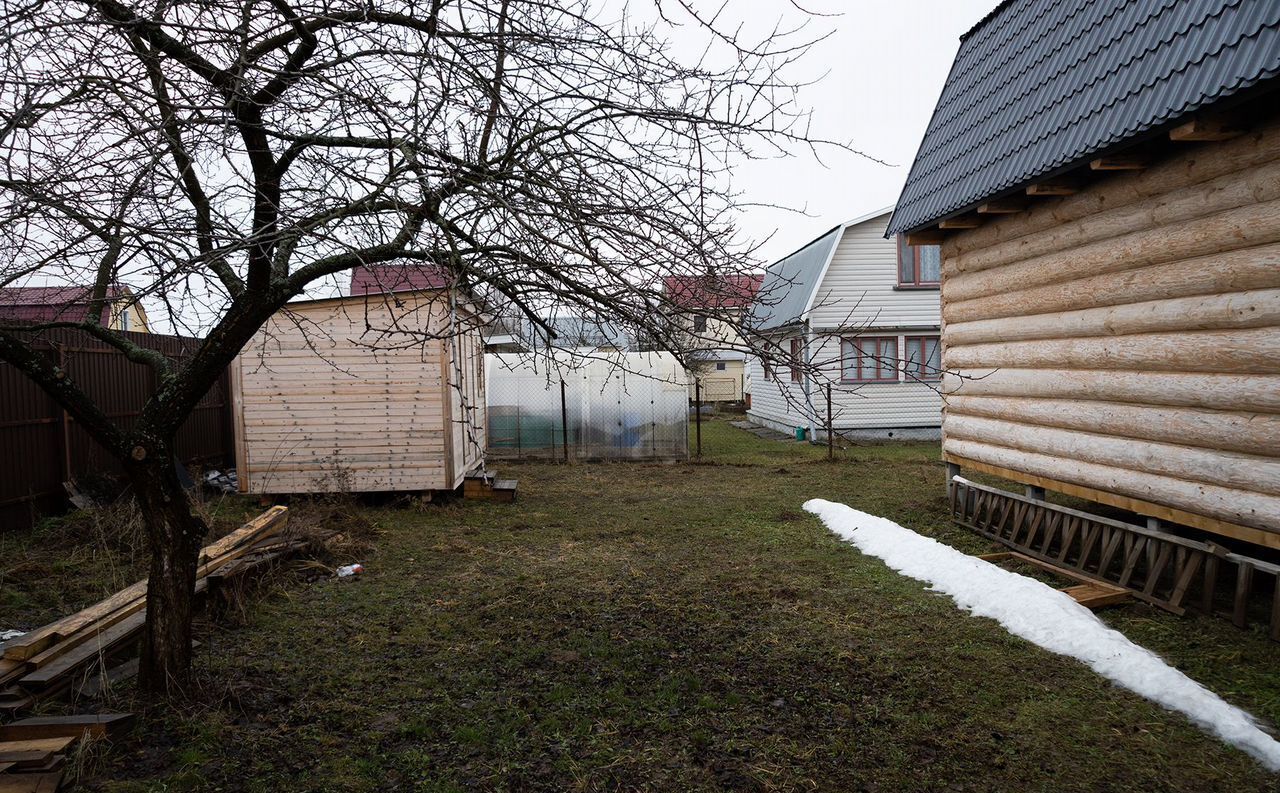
[676, 627]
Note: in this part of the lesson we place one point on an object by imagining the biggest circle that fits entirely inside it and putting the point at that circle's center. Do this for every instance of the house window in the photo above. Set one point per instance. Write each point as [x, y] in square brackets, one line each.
[869, 359]
[719, 366]
[923, 358]
[918, 265]
[797, 352]
[699, 324]
[768, 368]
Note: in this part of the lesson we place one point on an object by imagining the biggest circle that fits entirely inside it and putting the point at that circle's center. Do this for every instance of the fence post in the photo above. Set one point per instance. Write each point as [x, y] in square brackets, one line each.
[564, 421]
[831, 430]
[697, 412]
[65, 435]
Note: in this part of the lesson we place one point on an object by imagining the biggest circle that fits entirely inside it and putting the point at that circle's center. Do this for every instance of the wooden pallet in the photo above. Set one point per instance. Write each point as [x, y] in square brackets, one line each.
[1154, 566]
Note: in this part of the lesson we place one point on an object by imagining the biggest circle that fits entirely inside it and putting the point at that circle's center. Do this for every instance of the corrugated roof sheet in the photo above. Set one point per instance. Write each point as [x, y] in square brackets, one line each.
[784, 294]
[54, 303]
[1043, 84]
[381, 278]
[711, 291]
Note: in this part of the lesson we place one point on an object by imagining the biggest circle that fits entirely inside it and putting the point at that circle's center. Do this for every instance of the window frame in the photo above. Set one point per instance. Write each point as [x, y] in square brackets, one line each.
[795, 358]
[699, 319]
[918, 374]
[906, 252]
[857, 342]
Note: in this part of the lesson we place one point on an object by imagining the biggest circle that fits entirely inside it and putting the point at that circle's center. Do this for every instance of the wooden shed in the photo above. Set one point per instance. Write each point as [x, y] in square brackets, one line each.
[366, 393]
[1105, 187]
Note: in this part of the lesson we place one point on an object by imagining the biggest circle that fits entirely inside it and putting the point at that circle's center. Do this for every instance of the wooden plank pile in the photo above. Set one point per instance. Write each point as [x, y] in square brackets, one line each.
[72, 650]
[37, 748]
[34, 751]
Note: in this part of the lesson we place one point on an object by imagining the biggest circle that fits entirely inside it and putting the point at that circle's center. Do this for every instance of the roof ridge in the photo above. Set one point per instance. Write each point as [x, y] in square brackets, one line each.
[1111, 103]
[1079, 34]
[1104, 77]
[992, 14]
[1067, 68]
[1040, 85]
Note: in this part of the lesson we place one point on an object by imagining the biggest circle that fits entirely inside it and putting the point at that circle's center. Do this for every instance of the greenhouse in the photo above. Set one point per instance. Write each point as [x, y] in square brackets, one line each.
[615, 405]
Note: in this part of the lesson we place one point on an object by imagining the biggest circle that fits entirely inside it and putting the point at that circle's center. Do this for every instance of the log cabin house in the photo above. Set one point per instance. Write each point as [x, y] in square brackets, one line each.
[381, 390]
[1104, 181]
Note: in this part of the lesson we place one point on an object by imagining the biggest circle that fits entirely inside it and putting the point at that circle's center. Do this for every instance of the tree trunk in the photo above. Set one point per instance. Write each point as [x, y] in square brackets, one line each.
[175, 535]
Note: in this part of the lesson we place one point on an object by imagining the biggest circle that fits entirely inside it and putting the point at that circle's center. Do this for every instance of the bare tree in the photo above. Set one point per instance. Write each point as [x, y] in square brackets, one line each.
[224, 157]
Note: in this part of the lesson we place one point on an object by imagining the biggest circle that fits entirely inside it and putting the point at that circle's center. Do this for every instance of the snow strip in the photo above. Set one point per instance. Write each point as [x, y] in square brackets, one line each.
[1041, 614]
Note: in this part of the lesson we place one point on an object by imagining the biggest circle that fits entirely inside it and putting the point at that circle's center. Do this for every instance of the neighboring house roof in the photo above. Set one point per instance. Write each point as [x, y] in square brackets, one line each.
[1039, 86]
[712, 291]
[381, 278]
[572, 331]
[55, 303]
[790, 284]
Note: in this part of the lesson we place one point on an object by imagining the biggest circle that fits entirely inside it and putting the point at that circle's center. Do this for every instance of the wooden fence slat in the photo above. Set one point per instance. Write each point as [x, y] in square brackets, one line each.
[1275, 610]
[1244, 579]
[1190, 566]
[1109, 551]
[1156, 569]
[1131, 560]
[1210, 584]
[1051, 531]
[1090, 540]
[1072, 525]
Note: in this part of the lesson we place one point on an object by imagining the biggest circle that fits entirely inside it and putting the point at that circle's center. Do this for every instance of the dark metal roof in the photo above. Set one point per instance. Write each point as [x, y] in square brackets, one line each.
[789, 283]
[1040, 85]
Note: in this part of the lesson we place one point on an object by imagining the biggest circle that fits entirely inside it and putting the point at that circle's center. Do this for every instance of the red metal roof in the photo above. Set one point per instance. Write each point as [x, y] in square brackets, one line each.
[380, 278]
[53, 303]
[712, 291]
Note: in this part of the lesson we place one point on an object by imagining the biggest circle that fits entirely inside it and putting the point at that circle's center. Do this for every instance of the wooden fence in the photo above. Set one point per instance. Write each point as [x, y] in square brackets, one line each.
[1166, 570]
[41, 446]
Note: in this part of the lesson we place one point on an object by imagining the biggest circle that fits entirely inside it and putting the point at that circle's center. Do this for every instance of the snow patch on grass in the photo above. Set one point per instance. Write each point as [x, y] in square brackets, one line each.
[1043, 615]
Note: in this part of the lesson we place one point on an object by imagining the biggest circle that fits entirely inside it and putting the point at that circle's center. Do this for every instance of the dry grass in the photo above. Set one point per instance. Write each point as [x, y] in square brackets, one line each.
[688, 627]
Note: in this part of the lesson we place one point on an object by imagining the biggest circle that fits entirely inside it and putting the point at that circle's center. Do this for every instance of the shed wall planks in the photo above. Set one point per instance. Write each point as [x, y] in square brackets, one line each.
[1127, 339]
[356, 394]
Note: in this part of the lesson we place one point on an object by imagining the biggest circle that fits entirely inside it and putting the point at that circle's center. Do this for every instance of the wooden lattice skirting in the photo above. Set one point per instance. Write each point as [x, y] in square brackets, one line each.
[1161, 568]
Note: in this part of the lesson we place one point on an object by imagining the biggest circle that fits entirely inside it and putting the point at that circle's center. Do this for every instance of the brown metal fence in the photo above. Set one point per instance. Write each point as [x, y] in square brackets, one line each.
[41, 446]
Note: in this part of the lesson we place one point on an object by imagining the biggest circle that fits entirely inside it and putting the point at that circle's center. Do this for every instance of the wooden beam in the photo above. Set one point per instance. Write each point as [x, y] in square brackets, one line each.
[1118, 163]
[96, 725]
[963, 222]
[1051, 189]
[926, 237]
[1205, 128]
[1003, 206]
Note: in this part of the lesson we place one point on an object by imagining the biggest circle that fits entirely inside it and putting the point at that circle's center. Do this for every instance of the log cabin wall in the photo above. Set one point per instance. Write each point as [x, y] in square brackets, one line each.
[1123, 344]
[326, 399]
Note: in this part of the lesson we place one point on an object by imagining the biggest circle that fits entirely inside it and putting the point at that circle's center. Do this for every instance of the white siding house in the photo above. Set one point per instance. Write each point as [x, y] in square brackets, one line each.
[861, 317]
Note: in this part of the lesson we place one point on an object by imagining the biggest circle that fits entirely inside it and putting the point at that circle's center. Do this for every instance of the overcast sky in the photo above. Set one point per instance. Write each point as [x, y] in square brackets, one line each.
[886, 62]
